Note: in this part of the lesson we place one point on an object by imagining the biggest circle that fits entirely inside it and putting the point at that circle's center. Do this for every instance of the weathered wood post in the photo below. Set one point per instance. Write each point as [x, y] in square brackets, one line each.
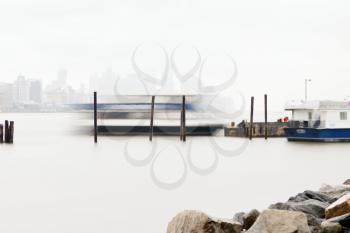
[152, 117]
[1, 133]
[265, 101]
[251, 117]
[184, 118]
[95, 117]
[11, 131]
[181, 123]
[6, 131]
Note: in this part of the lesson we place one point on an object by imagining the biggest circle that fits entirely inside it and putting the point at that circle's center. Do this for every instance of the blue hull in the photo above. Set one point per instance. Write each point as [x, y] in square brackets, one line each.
[317, 135]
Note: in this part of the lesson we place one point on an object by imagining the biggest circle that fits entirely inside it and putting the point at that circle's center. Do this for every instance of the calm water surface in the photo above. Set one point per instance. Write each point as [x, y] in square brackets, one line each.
[55, 180]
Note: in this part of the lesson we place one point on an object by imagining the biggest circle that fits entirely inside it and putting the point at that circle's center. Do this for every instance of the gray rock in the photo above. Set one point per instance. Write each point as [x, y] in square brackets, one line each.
[280, 221]
[347, 182]
[250, 218]
[343, 220]
[314, 223]
[311, 206]
[238, 217]
[335, 191]
[191, 221]
[331, 227]
[308, 194]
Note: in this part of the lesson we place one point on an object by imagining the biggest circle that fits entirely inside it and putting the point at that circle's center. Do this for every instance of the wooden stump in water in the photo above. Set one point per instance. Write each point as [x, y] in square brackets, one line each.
[1, 133]
[6, 131]
[11, 131]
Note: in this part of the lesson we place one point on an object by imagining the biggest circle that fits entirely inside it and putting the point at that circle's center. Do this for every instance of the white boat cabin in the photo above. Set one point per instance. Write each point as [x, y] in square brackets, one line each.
[319, 114]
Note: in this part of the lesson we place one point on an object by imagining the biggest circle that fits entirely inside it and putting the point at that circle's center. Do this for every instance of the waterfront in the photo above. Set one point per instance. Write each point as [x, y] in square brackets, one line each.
[55, 180]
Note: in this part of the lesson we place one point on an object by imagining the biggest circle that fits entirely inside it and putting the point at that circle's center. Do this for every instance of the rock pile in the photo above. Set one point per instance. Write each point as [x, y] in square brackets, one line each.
[324, 211]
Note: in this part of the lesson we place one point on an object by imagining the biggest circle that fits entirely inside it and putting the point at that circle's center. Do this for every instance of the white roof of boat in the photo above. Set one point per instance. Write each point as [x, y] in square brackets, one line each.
[317, 105]
[164, 93]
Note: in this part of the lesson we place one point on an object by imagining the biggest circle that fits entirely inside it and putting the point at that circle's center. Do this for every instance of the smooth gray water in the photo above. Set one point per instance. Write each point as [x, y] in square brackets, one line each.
[53, 180]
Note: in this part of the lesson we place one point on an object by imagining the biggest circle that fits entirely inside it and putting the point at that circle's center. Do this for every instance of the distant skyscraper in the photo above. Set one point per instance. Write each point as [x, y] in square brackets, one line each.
[21, 90]
[35, 91]
[6, 96]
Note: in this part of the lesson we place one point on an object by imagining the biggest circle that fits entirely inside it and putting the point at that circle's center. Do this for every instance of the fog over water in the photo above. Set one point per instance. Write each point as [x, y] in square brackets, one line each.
[55, 180]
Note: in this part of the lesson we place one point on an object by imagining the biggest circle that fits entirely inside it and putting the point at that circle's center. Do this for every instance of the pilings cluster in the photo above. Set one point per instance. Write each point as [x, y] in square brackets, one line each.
[7, 132]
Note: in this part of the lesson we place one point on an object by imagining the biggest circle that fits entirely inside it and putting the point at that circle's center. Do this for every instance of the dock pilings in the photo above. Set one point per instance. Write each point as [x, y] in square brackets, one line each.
[152, 118]
[1, 133]
[95, 117]
[265, 107]
[251, 117]
[7, 132]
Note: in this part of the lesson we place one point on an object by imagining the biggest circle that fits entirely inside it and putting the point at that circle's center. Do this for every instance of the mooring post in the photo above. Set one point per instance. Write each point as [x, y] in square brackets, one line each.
[184, 118]
[11, 131]
[251, 118]
[181, 123]
[6, 131]
[95, 117]
[152, 117]
[265, 98]
[1, 133]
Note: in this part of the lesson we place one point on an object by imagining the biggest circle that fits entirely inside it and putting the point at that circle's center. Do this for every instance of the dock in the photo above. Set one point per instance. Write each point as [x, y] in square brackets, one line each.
[274, 129]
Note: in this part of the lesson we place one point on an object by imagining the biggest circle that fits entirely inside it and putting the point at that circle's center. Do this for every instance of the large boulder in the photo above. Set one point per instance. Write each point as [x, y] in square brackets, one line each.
[331, 227]
[339, 207]
[336, 191]
[191, 221]
[250, 218]
[280, 221]
[311, 206]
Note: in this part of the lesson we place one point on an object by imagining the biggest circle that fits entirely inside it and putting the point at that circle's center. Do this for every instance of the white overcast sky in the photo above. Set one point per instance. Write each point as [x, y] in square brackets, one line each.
[276, 44]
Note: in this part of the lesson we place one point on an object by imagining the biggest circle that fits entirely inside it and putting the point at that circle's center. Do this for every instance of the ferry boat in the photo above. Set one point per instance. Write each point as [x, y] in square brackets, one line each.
[323, 121]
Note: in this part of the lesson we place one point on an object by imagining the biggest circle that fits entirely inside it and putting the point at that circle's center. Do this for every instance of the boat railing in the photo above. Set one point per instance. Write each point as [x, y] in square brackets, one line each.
[307, 124]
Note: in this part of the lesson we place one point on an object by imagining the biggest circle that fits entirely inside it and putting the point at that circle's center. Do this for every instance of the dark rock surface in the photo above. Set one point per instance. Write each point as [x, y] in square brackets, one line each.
[308, 194]
[250, 218]
[311, 206]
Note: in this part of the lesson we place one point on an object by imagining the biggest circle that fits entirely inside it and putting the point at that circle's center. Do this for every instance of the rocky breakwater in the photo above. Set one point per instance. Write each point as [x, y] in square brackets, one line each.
[324, 211]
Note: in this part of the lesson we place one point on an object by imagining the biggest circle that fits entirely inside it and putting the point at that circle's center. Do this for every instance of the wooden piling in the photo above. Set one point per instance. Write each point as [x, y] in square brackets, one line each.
[11, 131]
[6, 131]
[152, 117]
[265, 101]
[184, 118]
[95, 117]
[1, 133]
[251, 117]
[181, 123]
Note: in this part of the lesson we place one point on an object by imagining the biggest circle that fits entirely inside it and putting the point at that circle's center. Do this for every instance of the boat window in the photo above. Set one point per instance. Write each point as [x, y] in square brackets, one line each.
[310, 116]
[343, 115]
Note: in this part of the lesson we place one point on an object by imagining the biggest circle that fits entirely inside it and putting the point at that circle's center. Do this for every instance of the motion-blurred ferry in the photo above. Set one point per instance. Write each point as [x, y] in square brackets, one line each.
[325, 121]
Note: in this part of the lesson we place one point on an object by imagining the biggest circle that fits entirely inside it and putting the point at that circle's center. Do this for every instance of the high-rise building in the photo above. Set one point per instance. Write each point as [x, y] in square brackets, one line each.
[35, 91]
[21, 90]
[6, 96]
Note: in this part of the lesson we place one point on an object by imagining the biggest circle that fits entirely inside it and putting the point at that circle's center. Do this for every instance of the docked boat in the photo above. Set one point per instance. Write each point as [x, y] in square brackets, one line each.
[324, 121]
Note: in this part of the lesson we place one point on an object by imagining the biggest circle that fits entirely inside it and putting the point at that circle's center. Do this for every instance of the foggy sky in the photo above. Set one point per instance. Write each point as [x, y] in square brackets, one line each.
[276, 44]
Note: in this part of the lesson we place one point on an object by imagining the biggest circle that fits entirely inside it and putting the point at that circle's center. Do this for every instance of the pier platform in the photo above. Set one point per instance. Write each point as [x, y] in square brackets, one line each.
[274, 129]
